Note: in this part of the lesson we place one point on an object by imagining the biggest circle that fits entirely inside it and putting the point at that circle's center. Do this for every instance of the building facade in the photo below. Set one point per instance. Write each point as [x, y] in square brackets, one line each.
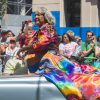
[73, 13]
[90, 13]
[68, 13]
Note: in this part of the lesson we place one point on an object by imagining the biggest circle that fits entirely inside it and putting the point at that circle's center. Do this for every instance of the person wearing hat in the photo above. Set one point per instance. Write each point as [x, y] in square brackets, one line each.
[12, 49]
[13, 65]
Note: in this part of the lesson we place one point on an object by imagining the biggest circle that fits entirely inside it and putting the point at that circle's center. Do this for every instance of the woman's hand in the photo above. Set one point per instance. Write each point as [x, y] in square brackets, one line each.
[92, 45]
[83, 53]
[18, 56]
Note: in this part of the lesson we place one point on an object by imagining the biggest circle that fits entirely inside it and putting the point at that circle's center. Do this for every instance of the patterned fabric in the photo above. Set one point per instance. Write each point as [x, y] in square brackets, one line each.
[86, 46]
[43, 39]
[29, 38]
[45, 36]
[73, 80]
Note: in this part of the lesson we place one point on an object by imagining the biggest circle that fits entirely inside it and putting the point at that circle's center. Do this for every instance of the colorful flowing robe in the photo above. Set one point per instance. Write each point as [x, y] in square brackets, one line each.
[43, 39]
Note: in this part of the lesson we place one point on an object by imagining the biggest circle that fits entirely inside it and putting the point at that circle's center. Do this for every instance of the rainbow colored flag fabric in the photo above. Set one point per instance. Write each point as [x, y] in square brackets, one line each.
[79, 82]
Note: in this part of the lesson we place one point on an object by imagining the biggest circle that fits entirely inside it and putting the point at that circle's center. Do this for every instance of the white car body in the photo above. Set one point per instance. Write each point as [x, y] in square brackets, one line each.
[28, 88]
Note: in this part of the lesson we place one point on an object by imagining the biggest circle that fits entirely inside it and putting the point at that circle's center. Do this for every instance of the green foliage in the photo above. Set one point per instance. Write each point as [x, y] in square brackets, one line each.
[3, 7]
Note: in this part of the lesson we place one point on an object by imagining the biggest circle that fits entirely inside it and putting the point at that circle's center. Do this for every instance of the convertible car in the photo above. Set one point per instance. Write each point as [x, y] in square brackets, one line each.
[23, 87]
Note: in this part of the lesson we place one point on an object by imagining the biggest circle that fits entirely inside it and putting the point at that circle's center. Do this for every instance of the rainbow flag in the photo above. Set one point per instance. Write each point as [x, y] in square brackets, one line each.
[80, 82]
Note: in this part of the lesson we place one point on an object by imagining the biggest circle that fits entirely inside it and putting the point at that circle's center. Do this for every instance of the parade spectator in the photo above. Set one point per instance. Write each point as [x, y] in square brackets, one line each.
[10, 33]
[12, 49]
[88, 48]
[13, 65]
[98, 48]
[76, 54]
[68, 46]
[3, 37]
[98, 39]
[78, 40]
[71, 34]
[3, 47]
[97, 53]
[26, 34]
[0, 30]
[29, 33]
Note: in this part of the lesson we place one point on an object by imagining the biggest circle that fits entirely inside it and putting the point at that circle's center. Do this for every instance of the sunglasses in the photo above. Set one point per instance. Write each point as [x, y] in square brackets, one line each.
[12, 41]
[38, 14]
[89, 35]
[79, 39]
[64, 37]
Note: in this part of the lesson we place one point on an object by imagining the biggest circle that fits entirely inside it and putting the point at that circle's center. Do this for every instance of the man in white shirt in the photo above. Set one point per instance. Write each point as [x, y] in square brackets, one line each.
[13, 65]
[12, 48]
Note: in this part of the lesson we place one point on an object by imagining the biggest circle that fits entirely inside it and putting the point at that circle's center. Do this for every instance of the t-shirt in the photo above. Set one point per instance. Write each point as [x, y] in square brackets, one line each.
[68, 48]
[10, 53]
[86, 46]
[77, 51]
[15, 66]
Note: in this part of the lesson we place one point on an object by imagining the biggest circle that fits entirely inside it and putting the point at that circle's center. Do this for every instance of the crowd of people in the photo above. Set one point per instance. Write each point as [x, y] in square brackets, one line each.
[69, 46]
[84, 52]
[32, 50]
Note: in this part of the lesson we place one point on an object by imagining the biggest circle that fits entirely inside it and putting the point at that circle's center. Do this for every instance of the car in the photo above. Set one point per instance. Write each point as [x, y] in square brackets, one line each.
[28, 87]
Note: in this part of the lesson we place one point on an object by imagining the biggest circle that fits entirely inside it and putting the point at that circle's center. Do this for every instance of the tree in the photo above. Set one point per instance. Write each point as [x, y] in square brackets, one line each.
[3, 7]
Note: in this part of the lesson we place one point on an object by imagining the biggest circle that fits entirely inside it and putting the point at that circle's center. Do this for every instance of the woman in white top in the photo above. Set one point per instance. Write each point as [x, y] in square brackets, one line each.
[68, 46]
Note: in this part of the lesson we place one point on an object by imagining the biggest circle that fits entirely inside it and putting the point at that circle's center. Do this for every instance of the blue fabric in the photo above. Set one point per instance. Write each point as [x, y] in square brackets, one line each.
[35, 67]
